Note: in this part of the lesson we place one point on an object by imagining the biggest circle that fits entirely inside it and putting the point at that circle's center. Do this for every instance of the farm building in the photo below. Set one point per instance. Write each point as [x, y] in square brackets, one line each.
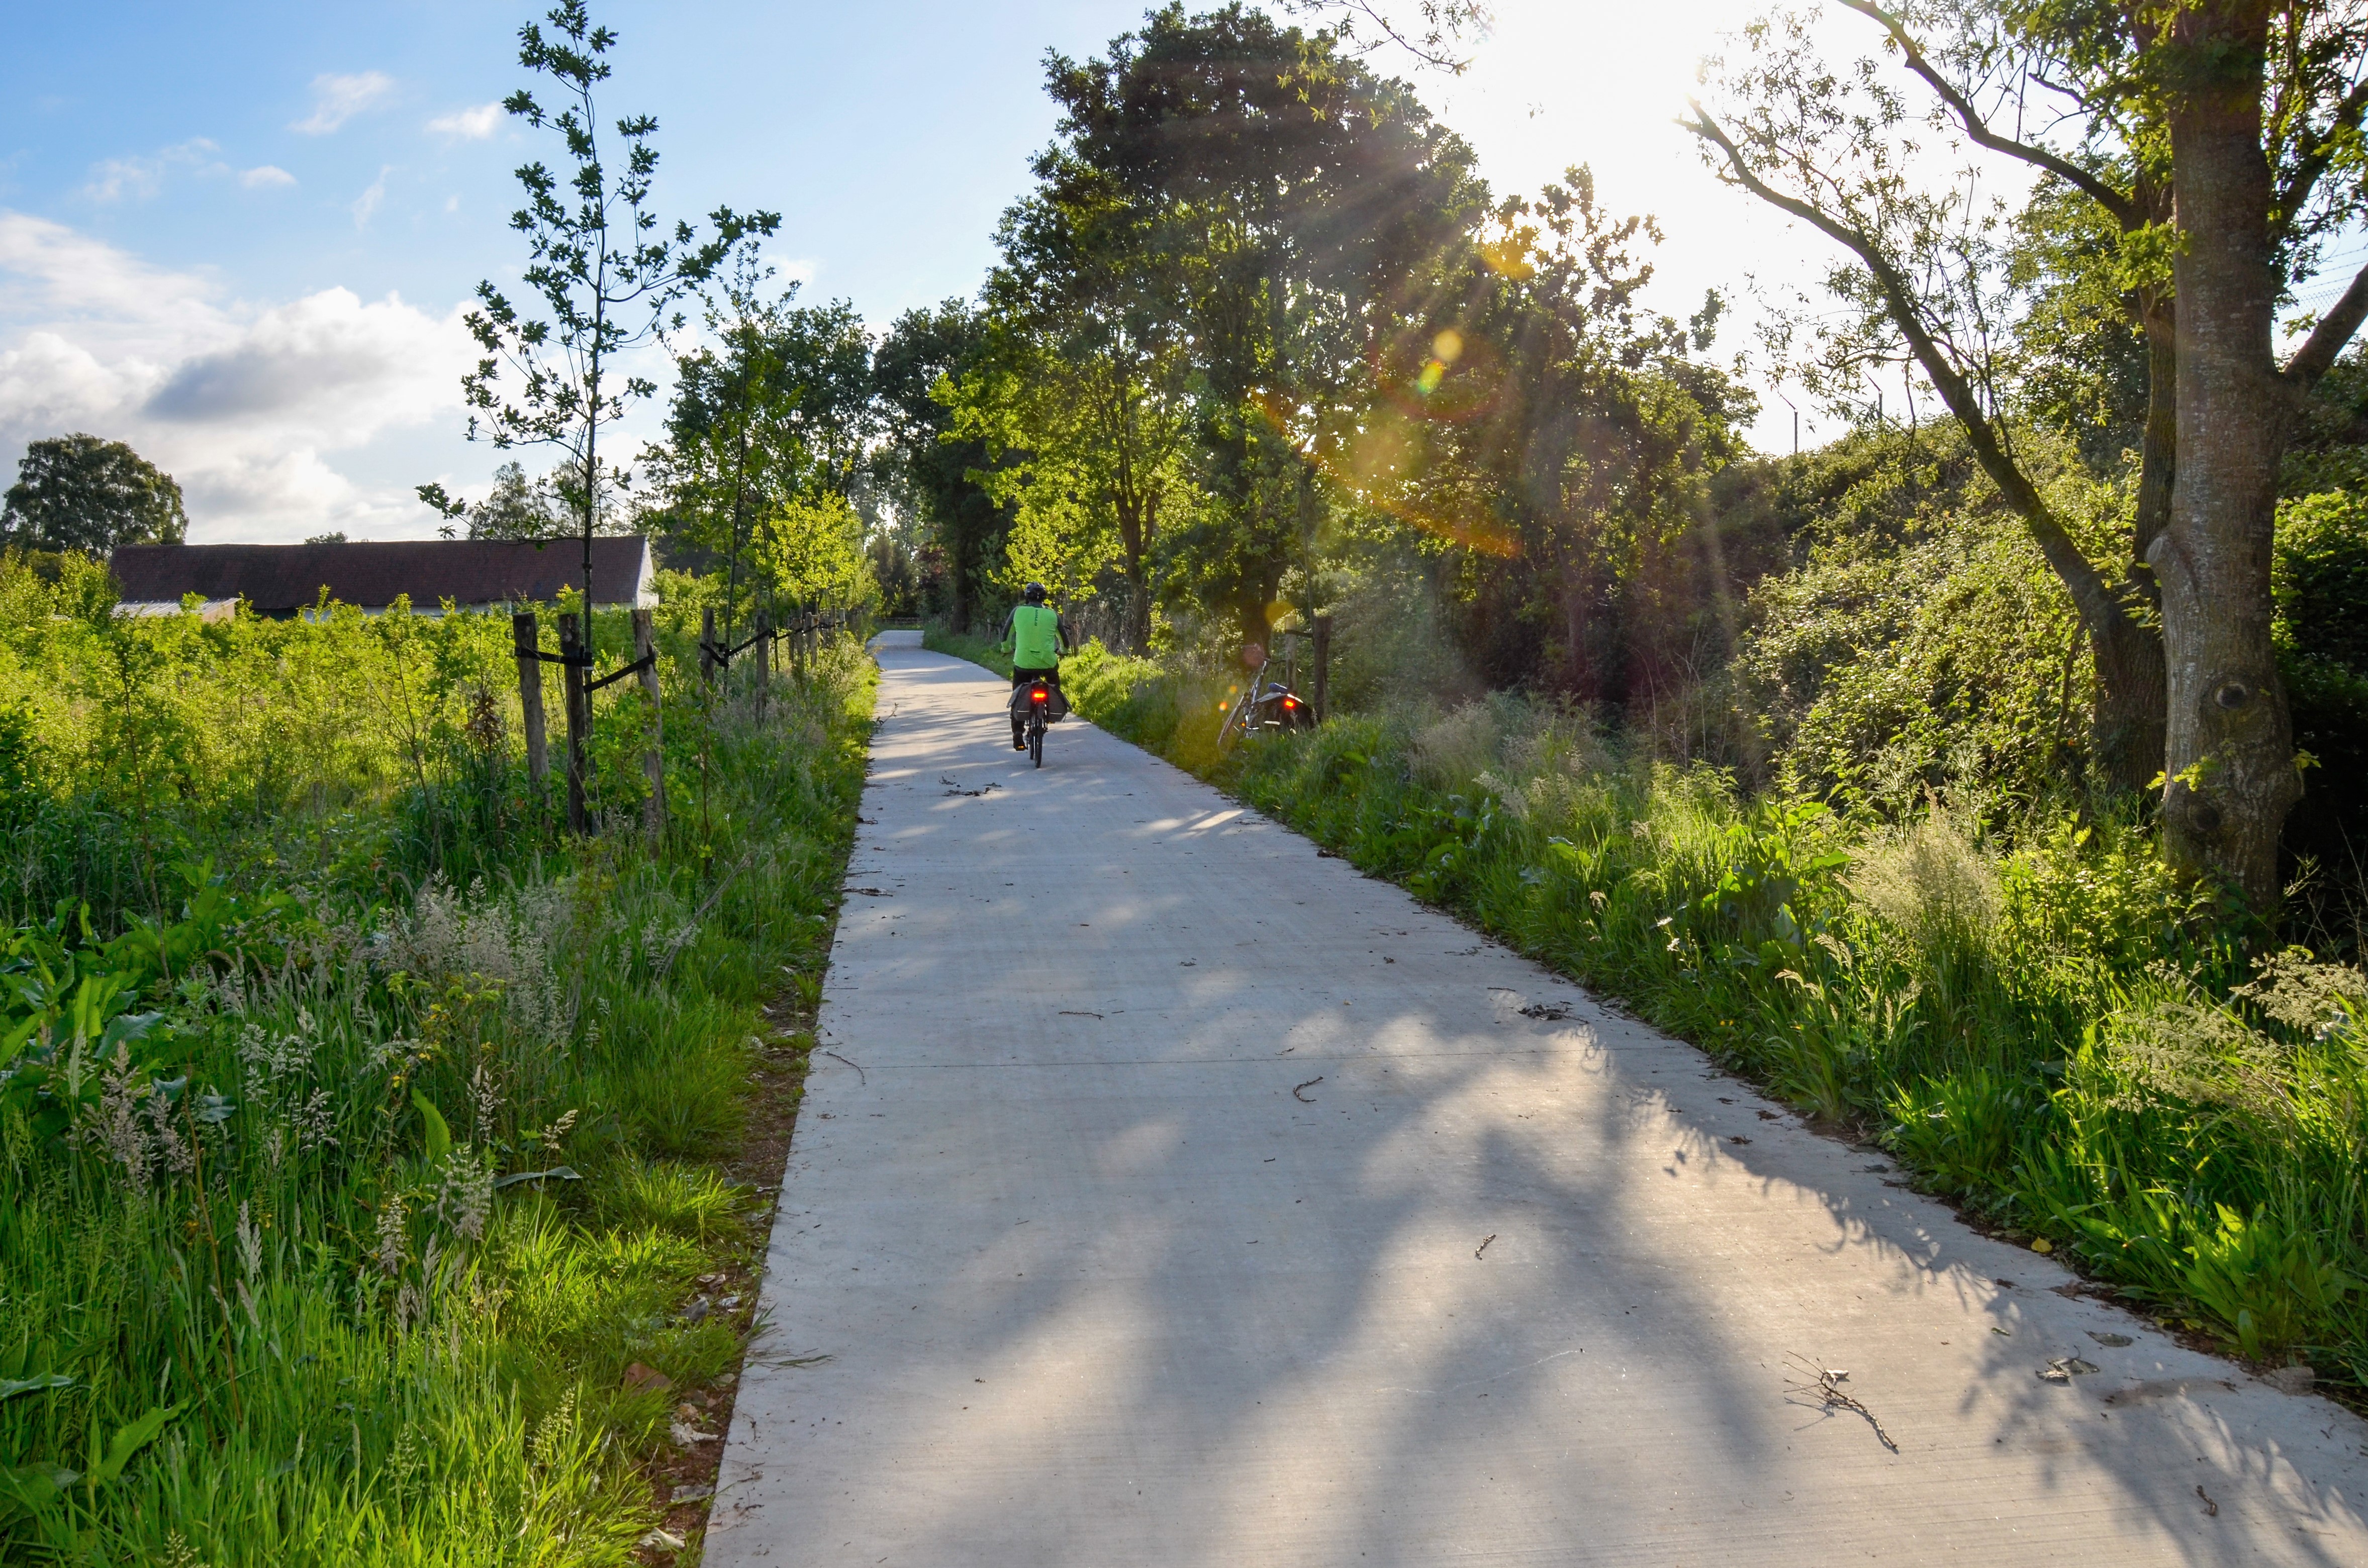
[282, 581]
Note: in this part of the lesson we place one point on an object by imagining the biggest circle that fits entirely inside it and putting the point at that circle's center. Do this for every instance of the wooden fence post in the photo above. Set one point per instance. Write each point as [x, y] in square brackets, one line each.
[707, 646]
[654, 809]
[579, 716]
[525, 639]
[764, 652]
[1322, 689]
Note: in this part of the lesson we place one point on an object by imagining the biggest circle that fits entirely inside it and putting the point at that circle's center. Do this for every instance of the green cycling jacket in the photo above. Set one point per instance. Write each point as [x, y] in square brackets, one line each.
[1035, 637]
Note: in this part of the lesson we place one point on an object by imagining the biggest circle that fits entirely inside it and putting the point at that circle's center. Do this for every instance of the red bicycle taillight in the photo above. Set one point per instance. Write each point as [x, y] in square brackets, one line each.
[1291, 702]
[1039, 695]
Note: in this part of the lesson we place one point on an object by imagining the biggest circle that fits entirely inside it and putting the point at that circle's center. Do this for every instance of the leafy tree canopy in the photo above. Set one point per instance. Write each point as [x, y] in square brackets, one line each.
[78, 492]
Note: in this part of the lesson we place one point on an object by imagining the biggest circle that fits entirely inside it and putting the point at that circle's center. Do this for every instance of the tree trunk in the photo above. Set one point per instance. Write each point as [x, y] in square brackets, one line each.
[1249, 617]
[1578, 666]
[526, 638]
[2129, 730]
[576, 653]
[2229, 752]
[958, 608]
[2126, 735]
[1138, 630]
[1136, 518]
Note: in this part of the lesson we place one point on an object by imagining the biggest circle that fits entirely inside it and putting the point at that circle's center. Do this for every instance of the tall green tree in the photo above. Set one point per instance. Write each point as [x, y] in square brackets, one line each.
[810, 552]
[932, 469]
[2221, 141]
[1289, 202]
[1540, 416]
[729, 456]
[772, 412]
[1076, 390]
[78, 492]
[607, 277]
[833, 408]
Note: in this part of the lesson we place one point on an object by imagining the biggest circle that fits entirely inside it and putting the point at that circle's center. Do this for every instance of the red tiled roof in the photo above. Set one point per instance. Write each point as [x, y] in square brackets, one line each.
[468, 571]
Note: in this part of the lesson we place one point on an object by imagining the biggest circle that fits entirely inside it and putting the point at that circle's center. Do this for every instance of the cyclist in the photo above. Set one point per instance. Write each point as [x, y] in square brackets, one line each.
[1035, 636]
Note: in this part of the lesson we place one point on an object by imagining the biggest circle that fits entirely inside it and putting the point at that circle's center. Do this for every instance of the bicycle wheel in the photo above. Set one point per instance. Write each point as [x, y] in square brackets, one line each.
[1236, 723]
[1036, 742]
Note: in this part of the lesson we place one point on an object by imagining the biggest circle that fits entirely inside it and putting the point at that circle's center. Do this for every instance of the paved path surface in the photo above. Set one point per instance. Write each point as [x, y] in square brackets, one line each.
[1169, 1195]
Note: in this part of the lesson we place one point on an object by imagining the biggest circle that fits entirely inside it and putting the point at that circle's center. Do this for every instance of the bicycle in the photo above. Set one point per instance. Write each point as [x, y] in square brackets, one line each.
[1038, 696]
[1266, 708]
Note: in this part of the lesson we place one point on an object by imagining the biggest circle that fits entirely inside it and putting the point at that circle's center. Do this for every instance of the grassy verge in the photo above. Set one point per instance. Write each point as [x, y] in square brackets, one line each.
[979, 650]
[2049, 1032]
[358, 1229]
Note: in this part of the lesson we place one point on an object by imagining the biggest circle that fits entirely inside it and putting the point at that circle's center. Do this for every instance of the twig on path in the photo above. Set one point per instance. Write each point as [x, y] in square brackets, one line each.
[1311, 1082]
[860, 1076]
[1483, 1247]
[2210, 1509]
[1824, 1386]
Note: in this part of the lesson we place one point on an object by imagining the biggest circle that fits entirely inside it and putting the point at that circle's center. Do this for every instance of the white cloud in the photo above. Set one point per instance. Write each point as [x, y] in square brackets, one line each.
[111, 179]
[321, 364]
[50, 273]
[266, 174]
[367, 204]
[259, 412]
[468, 124]
[336, 99]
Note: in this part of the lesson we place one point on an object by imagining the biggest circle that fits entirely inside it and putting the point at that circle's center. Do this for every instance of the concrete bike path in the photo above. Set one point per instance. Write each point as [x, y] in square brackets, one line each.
[1166, 1194]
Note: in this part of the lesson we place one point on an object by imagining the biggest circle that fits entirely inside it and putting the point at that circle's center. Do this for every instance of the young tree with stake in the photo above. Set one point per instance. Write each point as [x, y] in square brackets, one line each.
[607, 277]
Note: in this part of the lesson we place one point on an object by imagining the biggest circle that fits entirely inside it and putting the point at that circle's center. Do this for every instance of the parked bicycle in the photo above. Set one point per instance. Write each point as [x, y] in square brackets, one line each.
[1266, 707]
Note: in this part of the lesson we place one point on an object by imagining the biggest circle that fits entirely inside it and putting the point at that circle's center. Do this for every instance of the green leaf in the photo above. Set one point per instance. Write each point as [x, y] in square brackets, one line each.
[439, 1136]
[11, 1387]
[129, 1027]
[556, 1173]
[31, 1488]
[130, 1440]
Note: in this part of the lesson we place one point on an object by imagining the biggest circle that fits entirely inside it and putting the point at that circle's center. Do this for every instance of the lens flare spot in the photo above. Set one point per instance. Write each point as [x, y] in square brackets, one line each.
[1447, 347]
[1433, 373]
[1508, 257]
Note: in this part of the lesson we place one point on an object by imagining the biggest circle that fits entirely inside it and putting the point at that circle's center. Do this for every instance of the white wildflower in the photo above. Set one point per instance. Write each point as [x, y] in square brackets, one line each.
[392, 1245]
[250, 1242]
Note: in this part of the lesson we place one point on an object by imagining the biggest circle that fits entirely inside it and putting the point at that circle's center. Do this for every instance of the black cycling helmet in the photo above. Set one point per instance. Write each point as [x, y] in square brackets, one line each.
[1033, 593]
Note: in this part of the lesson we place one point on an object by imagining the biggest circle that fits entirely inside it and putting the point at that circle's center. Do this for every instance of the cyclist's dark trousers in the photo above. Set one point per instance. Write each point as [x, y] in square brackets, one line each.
[1020, 677]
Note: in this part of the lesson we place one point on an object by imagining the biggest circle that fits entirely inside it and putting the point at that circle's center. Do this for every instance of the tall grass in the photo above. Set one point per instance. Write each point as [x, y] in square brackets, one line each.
[2053, 1030]
[337, 1191]
[322, 751]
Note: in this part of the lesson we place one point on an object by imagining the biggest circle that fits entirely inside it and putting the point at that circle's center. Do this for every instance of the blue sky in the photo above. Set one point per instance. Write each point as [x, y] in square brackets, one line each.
[239, 236]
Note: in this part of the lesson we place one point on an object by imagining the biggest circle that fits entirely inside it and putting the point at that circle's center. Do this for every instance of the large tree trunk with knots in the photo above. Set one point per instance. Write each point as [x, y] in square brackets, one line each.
[2229, 746]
